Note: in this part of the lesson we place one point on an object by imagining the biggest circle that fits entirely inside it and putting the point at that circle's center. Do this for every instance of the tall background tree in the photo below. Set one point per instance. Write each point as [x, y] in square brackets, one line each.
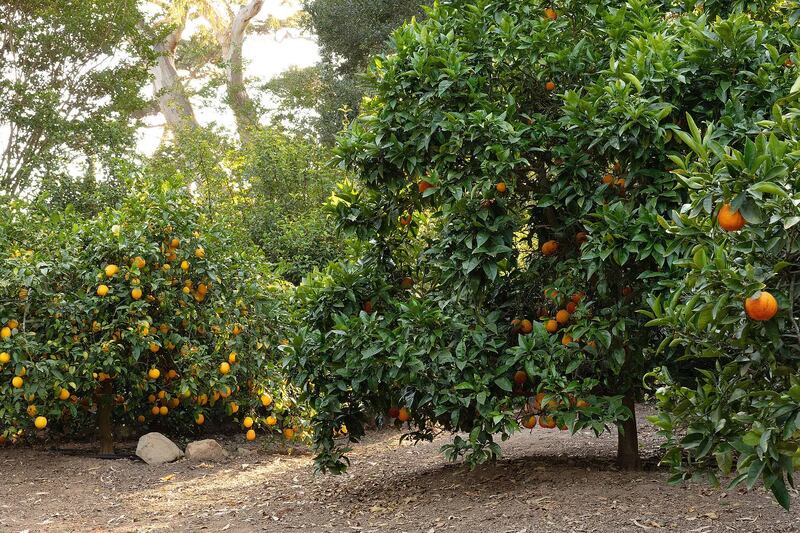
[70, 80]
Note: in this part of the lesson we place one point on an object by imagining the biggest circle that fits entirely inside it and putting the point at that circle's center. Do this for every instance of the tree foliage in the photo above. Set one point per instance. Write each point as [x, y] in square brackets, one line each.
[70, 76]
[516, 156]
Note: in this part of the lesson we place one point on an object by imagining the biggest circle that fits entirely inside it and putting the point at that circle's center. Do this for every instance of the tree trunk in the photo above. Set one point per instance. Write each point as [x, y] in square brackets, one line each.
[172, 99]
[232, 40]
[628, 438]
[105, 407]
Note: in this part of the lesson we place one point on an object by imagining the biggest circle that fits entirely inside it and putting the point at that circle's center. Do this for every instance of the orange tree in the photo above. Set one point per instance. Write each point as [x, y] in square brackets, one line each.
[513, 174]
[148, 314]
[734, 318]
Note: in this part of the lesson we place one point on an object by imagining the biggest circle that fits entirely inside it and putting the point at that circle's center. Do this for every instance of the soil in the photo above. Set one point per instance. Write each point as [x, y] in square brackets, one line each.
[547, 481]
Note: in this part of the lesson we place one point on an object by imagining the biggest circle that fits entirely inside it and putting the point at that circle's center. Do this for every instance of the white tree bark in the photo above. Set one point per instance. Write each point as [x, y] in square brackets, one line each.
[172, 99]
[231, 36]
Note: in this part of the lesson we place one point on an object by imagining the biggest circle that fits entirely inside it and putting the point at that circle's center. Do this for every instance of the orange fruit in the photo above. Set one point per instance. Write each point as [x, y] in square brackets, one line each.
[571, 307]
[199, 252]
[761, 306]
[17, 382]
[550, 13]
[550, 86]
[529, 422]
[424, 186]
[163, 411]
[547, 422]
[200, 419]
[549, 248]
[266, 400]
[406, 283]
[730, 220]
[140, 419]
[139, 262]
[154, 347]
[367, 307]
[551, 326]
[110, 270]
[515, 326]
[271, 420]
[520, 377]
[63, 395]
[153, 373]
[525, 326]
[404, 415]
[102, 290]
[405, 220]
[581, 404]
[136, 293]
[5, 357]
[40, 422]
[232, 357]
[248, 422]
[581, 237]
[288, 433]
[501, 187]
[566, 340]
[562, 317]
[32, 410]
[577, 297]
[234, 407]
[174, 243]
[608, 179]
[184, 265]
[251, 435]
[224, 368]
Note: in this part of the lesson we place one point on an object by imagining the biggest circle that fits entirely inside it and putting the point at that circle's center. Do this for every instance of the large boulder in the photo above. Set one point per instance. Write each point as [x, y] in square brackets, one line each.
[156, 449]
[205, 450]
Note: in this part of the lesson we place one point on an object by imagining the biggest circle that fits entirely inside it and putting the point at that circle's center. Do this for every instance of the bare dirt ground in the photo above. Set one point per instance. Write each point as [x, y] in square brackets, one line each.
[547, 481]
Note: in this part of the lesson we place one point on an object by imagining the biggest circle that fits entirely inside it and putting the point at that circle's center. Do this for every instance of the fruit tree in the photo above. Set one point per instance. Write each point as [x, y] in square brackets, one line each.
[514, 173]
[149, 314]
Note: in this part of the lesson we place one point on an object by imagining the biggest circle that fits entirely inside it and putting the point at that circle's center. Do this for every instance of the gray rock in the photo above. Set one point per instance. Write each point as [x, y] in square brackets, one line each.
[205, 450]
[156, 449]
[244, 451]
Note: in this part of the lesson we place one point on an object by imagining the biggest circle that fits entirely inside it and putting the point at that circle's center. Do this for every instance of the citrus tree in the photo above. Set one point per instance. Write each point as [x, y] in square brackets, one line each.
[513, 179]
[733, 320]
[148, 314]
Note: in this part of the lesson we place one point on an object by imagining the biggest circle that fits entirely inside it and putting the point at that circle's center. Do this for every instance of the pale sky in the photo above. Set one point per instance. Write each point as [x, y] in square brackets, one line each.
[265, 57]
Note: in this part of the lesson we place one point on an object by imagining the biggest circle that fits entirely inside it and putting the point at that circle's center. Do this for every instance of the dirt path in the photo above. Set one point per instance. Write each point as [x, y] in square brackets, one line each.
[546, 482]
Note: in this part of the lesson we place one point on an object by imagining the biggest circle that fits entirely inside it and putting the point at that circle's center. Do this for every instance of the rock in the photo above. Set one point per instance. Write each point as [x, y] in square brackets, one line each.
[244, 451]
[205, 450]
[156, 449]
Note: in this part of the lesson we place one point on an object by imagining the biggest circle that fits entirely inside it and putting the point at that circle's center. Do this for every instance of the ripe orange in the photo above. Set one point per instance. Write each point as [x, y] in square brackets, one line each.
[224, 368]
[581, 404]
[547, 422]
[172, 374]
[404, 415]
[63, 395]
[163, 411]
[367, 307]
[139, 262]
[32, 410]
[5, 357]
[406, 283]
[199, 252]
[102, 290]
[153, 373]
[248, 422]
[202, 399]
[155, 410]
[515, 326]
[501, 187]
[424, 186]
[761, 306]
[551, 293]
[251, 435]
[136, 293]
[730, 220]
[571, 307]
[551, 326]
[562, 317]
[581, 237]
[549, 248]
[577, 297]
[288, 433]
[174, 243]
[234, 407]
[550, 13]
[566, 340]
[184, 265]
[232, 357]
[608, 179]
[271, 420]
[110, 270]
[17, 382]
[200, 419]
[520, 377]
[154, 347]
[40, 422]
[525, 326]
[266, 400]
[529, 422]
[550, 86]
[405, 220]
[140, 419]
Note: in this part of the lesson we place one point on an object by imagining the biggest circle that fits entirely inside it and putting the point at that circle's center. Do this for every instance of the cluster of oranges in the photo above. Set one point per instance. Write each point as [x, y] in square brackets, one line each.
[403, 414]
[761, 306]
[537, 410]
